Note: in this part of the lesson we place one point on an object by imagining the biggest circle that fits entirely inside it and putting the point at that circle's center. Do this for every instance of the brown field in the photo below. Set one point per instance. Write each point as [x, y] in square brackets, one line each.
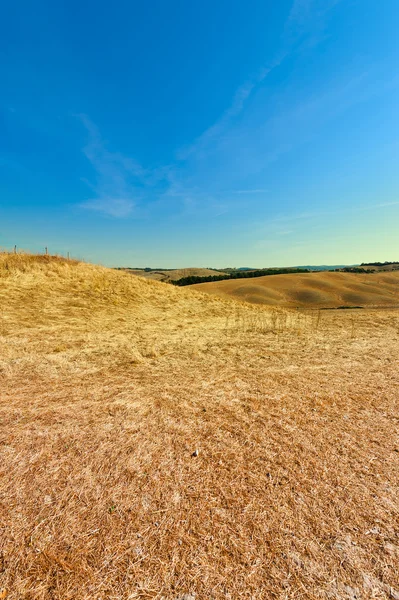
[174, 274]
[110, 383]
[312, 290]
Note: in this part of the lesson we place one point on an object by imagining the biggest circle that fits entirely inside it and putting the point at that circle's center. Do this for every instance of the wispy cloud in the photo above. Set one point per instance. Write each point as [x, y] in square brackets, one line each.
[299, 14]
[119, 178]
[382, 205]
[207, 176]
[237, 105]
[298, 119]
[291, 218]
[306, 18]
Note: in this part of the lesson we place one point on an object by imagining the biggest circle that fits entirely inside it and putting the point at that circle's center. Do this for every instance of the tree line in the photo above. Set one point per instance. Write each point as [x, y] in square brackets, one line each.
[380, 264]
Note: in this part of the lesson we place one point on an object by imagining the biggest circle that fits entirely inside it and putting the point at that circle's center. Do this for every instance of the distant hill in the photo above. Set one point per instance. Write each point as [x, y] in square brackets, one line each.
[324, 267]
[168, 275]
[312, 290]
[381, 266]
[192, 279]
[197, 275]
[304, 267]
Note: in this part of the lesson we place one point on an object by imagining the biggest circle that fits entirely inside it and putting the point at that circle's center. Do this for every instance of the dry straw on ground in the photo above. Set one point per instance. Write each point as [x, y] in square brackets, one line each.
[109, 384]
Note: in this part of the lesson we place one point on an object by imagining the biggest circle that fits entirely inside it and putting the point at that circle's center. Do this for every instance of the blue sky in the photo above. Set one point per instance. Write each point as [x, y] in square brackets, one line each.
[201, 133]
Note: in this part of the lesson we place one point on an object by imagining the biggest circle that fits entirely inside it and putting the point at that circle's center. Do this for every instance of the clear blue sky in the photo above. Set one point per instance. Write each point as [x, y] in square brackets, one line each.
[201, 133]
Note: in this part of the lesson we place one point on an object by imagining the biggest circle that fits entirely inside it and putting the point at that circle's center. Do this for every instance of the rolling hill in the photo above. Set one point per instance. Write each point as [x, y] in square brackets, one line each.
[166, 275]
[157, 442]
[312, 290]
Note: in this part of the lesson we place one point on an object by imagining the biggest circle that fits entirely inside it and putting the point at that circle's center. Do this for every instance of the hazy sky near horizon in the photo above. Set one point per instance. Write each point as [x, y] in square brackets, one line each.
[201, 133]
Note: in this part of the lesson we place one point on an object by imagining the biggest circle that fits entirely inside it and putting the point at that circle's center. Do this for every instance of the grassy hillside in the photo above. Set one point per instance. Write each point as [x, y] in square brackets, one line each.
[156, 442]
[312, 290]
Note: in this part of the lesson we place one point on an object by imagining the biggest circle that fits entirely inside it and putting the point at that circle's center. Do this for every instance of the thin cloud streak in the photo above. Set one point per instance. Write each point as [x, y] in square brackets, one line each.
[313, 215]
[123, 183]
[238, 103]
[300, 123]
[299, 23]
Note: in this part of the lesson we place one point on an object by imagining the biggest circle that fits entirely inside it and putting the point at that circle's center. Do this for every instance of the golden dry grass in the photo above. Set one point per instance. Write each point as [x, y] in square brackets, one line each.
[312, 290]
[109, 383]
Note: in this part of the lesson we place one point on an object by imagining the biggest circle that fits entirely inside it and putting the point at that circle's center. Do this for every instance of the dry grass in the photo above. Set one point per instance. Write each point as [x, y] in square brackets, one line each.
[312, 290]
[109, 383]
